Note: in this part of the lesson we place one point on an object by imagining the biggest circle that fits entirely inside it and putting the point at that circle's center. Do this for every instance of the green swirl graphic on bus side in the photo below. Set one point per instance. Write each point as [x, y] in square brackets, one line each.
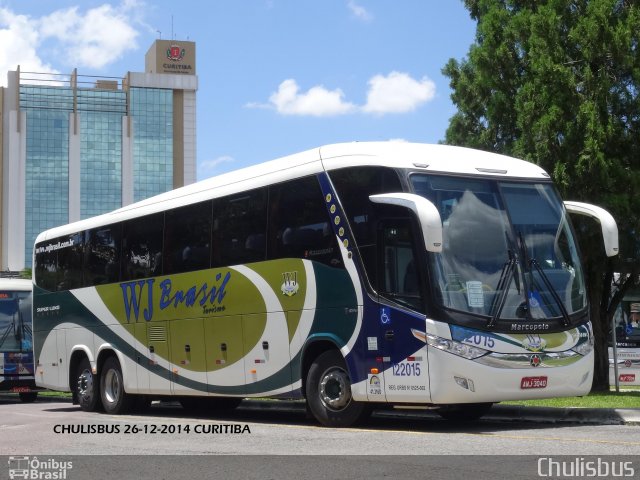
[220, 297]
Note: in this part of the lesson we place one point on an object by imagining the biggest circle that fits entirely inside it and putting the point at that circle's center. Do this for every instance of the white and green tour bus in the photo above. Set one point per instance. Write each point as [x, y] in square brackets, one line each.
[352, 275]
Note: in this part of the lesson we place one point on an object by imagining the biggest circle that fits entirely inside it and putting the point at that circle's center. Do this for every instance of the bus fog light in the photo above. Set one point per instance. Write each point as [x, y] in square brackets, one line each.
[465, 383]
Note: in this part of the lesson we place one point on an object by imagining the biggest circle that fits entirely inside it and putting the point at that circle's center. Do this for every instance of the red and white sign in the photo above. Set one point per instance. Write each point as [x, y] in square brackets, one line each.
[628, 377]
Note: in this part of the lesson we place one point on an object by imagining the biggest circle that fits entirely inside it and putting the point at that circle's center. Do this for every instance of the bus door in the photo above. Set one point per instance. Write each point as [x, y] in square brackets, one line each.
[399, 284]
[188, 356]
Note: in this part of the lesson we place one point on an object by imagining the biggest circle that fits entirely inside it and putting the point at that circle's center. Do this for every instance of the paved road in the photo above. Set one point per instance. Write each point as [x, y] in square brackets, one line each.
[410, 442]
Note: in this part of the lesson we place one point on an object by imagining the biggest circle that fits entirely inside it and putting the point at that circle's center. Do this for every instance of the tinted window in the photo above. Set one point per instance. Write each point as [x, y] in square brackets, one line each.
[239, 228]
[400, 280]
[70, 262]
[299, 223]
[142, 247]
[103, 255]
[187, 238]
[354, 185]
[59, 263]
[46, 266]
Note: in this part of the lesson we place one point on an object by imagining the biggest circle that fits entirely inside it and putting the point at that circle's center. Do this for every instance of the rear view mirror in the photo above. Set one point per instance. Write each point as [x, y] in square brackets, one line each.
[427, 214]
[607, 223]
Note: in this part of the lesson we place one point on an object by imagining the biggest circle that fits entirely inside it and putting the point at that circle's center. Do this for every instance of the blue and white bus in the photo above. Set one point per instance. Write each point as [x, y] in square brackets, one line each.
[16, 347]
[351, 275]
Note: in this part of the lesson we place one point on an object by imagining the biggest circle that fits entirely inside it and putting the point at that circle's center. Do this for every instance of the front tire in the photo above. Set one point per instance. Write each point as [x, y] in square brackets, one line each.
[87, 389]
[114, 399]
[328, 392]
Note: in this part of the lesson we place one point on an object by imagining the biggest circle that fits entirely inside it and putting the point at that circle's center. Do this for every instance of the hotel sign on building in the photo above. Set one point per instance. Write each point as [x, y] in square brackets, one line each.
[171, 56]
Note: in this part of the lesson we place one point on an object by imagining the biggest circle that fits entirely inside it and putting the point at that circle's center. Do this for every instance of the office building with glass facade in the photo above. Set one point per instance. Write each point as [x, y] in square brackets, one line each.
[76, 146]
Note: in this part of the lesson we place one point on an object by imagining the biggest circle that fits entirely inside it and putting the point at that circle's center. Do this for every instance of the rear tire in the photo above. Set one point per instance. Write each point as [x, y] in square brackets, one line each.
[328, 392]
[114, 399]
[28, 397]
[87, 389]
[464, 412]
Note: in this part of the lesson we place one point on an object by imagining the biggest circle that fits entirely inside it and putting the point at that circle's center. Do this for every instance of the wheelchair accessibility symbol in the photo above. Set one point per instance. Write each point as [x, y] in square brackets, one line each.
[385, 316]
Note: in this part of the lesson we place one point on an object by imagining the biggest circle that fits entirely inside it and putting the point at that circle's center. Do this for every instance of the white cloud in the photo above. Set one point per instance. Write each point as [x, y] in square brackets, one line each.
[207, 168]
[19, 38]
[394, 93]
[397, 93]
[359, 11]
[99, 37]
[92, 39]
[317, 101]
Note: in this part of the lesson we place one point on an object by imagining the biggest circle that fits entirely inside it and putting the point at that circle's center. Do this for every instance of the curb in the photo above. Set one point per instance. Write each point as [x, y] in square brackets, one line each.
[600, 416]
[502, 413]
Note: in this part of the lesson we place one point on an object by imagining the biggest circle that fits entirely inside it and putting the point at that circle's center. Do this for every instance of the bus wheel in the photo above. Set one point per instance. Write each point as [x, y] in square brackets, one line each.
[329, 392]
[464, 412]
[87, 389]
[114, 399]
[28, 397]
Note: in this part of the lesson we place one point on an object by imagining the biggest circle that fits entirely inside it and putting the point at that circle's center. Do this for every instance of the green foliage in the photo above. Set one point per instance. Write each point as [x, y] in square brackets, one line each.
[556, 82]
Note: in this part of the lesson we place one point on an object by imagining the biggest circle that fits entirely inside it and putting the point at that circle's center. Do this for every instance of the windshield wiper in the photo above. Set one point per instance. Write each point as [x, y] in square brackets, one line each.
[565, 315]
[534, 263]
[503, 286]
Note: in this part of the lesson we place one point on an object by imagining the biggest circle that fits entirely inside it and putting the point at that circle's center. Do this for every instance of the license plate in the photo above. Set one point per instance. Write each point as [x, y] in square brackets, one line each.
[19, 389]
[533, 382]
[628, 377]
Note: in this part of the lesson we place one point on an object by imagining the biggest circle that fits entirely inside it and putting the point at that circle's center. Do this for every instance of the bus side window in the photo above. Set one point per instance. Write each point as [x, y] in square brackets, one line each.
[102, 255]
[142, 247]
[299, 225]
[400, 280]
[59, 263]
[187, 238]
[70, 262]
[354, 185]
[239, 226]
[46, 266]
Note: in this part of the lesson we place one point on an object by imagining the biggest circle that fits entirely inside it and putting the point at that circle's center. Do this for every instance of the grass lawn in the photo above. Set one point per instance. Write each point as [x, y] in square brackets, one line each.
[47, 393]
[626, 398]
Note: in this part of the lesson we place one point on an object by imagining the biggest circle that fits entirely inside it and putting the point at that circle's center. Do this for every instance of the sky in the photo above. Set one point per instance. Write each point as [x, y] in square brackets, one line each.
[275, 77]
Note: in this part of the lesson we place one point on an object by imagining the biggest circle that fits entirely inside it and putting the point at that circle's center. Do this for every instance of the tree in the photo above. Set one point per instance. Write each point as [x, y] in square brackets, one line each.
[556, 82]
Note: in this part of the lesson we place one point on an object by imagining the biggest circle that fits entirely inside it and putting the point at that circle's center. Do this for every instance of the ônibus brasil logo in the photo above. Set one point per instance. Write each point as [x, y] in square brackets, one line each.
[175, 53]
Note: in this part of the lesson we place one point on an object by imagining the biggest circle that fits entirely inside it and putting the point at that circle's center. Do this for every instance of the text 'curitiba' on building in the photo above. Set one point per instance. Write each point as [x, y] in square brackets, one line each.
[75, 146]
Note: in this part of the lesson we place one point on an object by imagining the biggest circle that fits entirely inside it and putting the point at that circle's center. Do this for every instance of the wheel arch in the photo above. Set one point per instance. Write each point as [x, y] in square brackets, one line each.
[78, 353]
[313, 348]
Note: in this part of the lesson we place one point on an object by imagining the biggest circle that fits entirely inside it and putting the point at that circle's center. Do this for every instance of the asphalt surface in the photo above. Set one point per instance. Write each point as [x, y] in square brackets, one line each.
[600, 416]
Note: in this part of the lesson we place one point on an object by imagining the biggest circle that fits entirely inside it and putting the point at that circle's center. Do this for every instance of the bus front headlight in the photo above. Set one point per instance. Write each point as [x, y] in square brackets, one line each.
[457, 348]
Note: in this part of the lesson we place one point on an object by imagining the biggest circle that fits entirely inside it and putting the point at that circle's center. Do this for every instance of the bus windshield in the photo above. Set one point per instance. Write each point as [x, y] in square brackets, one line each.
[15, 321]
[508, 251]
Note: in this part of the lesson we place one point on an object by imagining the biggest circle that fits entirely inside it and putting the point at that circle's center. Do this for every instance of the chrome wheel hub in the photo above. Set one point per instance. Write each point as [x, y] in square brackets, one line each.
[335, 392]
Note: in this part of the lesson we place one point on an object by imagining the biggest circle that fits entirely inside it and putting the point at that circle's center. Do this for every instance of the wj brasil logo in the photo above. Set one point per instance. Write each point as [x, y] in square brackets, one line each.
[289, 284]
[534, 343]
[175, 53]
